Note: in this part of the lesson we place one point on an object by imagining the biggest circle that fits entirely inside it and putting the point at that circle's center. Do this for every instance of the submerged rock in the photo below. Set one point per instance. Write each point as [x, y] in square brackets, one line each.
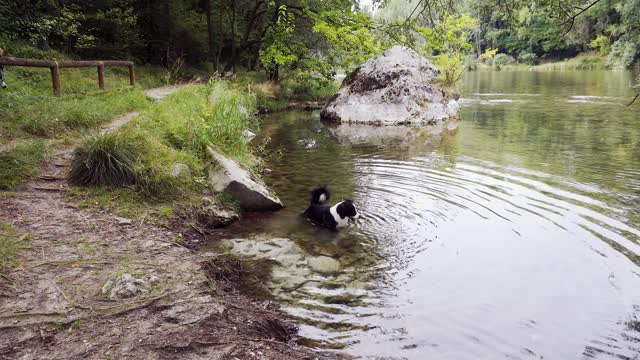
[396, 88]
[250, 192]
[324, 264]
[307, 143]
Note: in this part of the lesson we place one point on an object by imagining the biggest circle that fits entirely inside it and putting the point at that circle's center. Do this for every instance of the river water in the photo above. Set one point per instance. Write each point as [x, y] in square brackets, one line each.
[515, 235]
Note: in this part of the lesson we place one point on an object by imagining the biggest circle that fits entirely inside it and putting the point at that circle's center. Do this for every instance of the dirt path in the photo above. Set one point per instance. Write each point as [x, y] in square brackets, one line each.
[52, 305]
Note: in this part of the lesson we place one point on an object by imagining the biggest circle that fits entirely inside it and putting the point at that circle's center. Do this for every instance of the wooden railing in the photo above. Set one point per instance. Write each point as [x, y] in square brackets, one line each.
[55, 67]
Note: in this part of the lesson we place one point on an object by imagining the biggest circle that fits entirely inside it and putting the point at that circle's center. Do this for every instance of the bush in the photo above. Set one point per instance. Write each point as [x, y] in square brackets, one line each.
[487, 56]
[528, 58]
[105, 160]
[24, 49]
[502, 59]
[306, 85]
[601, 43]
[623, 53]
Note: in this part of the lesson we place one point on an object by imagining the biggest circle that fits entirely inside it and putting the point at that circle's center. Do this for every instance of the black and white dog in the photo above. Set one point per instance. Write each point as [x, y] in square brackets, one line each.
[332, 217]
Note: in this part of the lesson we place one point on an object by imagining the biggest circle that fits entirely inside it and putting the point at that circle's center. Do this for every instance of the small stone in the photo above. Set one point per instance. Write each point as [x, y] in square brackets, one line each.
[124, 221]
[212, 215]
[180, 171]
[248, 134]
[308, 143]
[124, 286]
[152, 279]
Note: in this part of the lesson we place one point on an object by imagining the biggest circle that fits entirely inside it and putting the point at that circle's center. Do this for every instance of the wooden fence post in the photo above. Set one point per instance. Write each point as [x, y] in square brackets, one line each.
[132, 76]
[55, 79]
[101, 76]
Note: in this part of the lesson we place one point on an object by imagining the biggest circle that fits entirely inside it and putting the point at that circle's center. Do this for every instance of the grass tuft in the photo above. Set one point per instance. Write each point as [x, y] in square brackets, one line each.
[21, 162]
[104, 160]
[11, 241]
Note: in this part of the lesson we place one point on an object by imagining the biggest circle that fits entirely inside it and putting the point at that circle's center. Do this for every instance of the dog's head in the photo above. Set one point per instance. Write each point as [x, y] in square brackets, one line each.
[347, 209]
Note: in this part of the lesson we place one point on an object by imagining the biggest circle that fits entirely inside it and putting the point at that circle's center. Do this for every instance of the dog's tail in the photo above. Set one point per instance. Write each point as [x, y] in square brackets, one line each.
[320, 195]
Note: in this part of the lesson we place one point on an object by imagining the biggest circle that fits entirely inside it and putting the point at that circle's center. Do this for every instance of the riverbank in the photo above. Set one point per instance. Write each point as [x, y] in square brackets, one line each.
[68, 243]
[581, 62]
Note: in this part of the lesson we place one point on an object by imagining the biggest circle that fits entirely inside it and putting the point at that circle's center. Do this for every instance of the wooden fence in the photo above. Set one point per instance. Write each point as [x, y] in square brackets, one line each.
[55, 67]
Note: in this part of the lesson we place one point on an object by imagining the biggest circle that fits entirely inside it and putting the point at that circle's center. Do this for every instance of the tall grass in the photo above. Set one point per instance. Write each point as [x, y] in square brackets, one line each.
[224, 115]
[175, 131]
[21, 162]
[586, 61]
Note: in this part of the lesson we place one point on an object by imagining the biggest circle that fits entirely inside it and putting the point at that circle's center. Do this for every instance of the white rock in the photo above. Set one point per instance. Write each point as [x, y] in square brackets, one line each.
[248, 134]
[396, 88]
[251, 193]
[124, 221]
[324, 264]
[126, 285]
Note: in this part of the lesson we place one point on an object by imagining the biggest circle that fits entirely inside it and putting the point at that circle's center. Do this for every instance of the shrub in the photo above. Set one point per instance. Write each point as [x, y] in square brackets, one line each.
[104, 160]
[623, 53]
[487, 56]
[306, 85]
[601, 43]
[528, 58]
[502, 59]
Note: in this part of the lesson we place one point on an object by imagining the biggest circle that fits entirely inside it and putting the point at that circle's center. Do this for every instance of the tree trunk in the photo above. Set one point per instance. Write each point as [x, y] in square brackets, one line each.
[233, 37]
[211, 35]
[275, 75]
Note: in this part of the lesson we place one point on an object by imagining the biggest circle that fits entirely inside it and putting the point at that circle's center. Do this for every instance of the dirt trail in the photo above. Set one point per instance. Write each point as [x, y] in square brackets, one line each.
[52, 306]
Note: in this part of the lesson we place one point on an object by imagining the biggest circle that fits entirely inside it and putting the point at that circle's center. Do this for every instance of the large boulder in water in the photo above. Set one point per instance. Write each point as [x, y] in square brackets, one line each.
[251, 193]
[396, 88]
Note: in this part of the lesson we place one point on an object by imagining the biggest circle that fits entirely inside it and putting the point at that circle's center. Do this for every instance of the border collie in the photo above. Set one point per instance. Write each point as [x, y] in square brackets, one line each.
[332, 217]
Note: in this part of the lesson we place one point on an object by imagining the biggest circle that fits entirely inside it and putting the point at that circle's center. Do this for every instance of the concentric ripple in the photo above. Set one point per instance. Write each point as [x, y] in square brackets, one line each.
[516, 236]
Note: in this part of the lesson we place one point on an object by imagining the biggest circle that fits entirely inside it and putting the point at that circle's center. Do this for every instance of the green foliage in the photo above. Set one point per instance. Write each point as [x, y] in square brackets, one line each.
[502, 60]
[223, 116]
[601, 43]
[488, 55]
[308, 86]
[351, 38]
[281, 47]
[626, 48]
[528, 58]
[105, 160]
[447, 43]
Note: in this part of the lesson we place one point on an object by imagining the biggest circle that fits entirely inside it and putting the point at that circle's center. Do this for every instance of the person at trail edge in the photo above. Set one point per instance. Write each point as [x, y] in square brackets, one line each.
[2, 83]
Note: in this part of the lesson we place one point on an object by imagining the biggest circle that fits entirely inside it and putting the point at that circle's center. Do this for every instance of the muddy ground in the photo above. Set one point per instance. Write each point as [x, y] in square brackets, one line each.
[52, 305]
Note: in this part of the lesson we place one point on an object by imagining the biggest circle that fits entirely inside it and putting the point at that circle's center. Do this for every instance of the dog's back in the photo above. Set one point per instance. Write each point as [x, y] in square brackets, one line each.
[318, 212]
